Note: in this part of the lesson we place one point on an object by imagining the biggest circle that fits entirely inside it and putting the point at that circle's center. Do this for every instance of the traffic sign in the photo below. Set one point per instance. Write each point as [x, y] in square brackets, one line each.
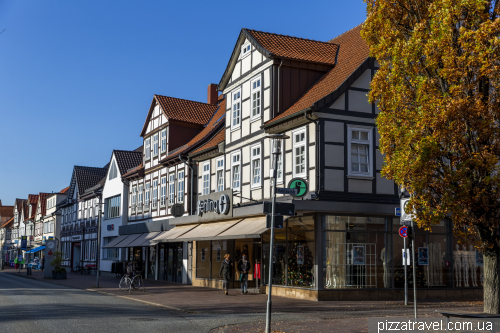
[403, 231]
[406, 213]
[406, 223]
[290, 191]
[278, 221]
[282, 208]
[398, 211]
[299, 184]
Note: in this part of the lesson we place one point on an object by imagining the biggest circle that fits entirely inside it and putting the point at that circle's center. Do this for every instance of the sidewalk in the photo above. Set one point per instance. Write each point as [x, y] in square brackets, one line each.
[199, 299]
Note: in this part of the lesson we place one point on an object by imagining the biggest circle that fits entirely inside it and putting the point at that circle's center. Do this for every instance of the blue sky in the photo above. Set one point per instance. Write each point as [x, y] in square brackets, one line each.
[77, 77]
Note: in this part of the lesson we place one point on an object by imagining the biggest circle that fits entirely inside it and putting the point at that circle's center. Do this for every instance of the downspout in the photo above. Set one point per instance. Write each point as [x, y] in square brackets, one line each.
[279, 94]
[318, 166]
[191, 182]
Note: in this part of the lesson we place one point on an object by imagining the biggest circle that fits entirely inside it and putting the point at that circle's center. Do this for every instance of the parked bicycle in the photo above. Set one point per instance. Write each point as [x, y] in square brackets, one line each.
[131, 280]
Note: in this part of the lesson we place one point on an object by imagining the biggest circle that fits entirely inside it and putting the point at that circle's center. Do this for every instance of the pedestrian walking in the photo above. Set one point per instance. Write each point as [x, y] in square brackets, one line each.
[226, 270]
[243, 267]
[43, 263]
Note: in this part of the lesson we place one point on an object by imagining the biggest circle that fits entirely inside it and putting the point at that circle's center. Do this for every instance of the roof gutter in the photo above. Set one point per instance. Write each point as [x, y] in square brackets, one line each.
[293, 115]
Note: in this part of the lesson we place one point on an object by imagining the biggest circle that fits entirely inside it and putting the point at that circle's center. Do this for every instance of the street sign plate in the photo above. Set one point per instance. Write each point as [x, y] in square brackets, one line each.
[290, 191]
[398, 211]
[299, 184]
[282, 208]
[403, 231]
[278, 221]
[406, 223]
[406, 213]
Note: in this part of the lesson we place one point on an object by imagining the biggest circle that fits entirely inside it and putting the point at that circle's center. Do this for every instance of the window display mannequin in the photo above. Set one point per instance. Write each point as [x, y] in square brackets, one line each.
[457, 265]
[387, 276]
[465, 265]
[472, 265]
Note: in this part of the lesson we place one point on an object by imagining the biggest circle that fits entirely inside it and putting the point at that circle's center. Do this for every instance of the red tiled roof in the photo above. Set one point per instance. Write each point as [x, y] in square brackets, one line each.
[208, 130]
[218, 138]
[184, 110]
[33, 199]
[283, 46]
[131, 171]
[43, 203]
[64, 190]
[6, 211]
[352, 53]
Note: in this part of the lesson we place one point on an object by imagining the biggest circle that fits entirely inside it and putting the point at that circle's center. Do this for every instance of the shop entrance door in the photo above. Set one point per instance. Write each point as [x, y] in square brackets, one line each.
[75, 258]
[173, 262]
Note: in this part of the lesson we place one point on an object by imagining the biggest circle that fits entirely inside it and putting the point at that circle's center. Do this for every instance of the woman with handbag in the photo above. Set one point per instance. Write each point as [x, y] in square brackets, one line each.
[226, 269]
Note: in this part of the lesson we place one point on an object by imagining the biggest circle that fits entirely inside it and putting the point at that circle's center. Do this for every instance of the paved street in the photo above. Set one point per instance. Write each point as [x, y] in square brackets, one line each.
[28, 304]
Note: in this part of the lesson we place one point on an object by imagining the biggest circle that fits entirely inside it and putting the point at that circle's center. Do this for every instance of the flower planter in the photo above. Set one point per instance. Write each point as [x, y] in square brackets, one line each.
[59, 275]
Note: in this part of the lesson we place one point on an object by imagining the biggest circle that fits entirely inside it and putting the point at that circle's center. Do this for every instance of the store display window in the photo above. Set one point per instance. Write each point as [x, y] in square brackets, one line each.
[203, 259]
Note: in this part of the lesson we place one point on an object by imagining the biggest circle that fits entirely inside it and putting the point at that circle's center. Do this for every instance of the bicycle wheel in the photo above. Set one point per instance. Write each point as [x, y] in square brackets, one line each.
[125, 283]
[136, 282]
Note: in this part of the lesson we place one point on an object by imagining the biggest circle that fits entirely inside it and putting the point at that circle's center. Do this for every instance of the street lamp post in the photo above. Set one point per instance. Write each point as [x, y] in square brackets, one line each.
[276, 139]
[98, 250]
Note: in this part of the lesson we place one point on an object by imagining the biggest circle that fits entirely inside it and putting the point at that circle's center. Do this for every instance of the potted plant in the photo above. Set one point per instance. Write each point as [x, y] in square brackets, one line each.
[59, 273]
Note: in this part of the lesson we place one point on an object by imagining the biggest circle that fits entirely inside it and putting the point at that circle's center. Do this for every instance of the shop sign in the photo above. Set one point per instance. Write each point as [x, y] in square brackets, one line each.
[24, 242]
[76, 238]
[215, 205]
[300, 185]
[111, 227]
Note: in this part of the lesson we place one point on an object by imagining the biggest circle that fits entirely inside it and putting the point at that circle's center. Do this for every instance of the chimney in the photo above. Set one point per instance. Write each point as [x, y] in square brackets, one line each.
[212, 94]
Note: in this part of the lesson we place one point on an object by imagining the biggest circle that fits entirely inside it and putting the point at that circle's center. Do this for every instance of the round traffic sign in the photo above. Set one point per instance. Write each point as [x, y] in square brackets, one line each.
[301, 186]
[403, 231]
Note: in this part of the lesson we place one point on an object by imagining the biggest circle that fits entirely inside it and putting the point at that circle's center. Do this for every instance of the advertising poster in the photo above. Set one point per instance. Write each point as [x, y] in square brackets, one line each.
[358, 255]
[423, 256]
[479, 258]
[24, 242]
[203, 251]
[300, 254]
[218, 255]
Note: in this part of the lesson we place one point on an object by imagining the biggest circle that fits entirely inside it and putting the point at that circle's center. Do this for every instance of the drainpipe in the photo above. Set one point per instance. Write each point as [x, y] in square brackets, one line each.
[279, 95]
[191, 182]
[318, 169]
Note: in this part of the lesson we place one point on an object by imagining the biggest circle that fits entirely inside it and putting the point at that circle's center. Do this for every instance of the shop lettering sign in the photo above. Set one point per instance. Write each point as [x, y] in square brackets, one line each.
[220, 206]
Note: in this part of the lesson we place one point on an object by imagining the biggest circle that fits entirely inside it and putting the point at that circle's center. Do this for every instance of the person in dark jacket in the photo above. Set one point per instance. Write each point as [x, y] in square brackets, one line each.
[43, 263]
[226, 270]
[243, 267]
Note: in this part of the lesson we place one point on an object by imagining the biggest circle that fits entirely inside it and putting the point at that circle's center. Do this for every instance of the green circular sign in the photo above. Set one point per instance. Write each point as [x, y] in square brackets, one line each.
[300, 184]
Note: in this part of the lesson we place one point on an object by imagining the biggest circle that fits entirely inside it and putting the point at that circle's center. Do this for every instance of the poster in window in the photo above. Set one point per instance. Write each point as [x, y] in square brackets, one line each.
[218, 254]
[203, 254]
[479, 258]
[300, 254]
[423, 256]
[358, 255]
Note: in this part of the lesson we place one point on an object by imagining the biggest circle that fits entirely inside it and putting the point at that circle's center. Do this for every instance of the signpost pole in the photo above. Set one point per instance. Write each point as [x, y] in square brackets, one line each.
[405, 261]
[414, 269]
[98, 249]
[276, 152]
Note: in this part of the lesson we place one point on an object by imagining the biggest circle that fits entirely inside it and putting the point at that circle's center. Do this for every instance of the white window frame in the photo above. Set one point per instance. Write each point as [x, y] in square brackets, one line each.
[294, 153]
[279, 172]
[155, 193]
[220, 174]
[147, 149]
[253, 91]
[180, 186]
[205, 178]
[134, 194]
[163, 191]
[171, 189]
[140, 196]
[233, 164]
[246, 49]
[147, 195]
[163, 141]
[256, 158]
[236, 102]
[369, 143]
[155, 145]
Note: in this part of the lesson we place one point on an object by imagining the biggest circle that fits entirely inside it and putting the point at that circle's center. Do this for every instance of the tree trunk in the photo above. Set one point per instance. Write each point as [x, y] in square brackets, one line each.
[491, 287]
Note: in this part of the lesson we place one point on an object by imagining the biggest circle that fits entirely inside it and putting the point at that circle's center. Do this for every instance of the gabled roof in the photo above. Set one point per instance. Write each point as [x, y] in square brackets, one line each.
[353, 53]
[43, 203]
[181, 110]
[87, 177]
[216, 122]
[8, 223]
[64, 190]
[20, 204]
[6, 211]
[33, 199]
[137, 170]
[281, 46]
[126, 160]
[213, 142]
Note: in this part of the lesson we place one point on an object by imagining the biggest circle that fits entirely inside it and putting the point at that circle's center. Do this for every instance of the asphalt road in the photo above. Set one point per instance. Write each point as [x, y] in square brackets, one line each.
[28, 305]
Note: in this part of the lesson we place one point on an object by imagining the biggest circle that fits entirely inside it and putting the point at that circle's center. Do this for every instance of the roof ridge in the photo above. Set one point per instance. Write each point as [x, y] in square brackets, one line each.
[273, 33]
[345, 32]
[127, 151]
[183, 99]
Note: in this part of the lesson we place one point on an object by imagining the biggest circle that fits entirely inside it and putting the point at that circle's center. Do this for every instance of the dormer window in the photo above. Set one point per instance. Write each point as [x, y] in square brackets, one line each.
[245, 50]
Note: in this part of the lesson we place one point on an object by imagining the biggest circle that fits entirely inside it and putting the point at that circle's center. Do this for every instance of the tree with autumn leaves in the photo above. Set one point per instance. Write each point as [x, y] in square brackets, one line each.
[438, 91]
